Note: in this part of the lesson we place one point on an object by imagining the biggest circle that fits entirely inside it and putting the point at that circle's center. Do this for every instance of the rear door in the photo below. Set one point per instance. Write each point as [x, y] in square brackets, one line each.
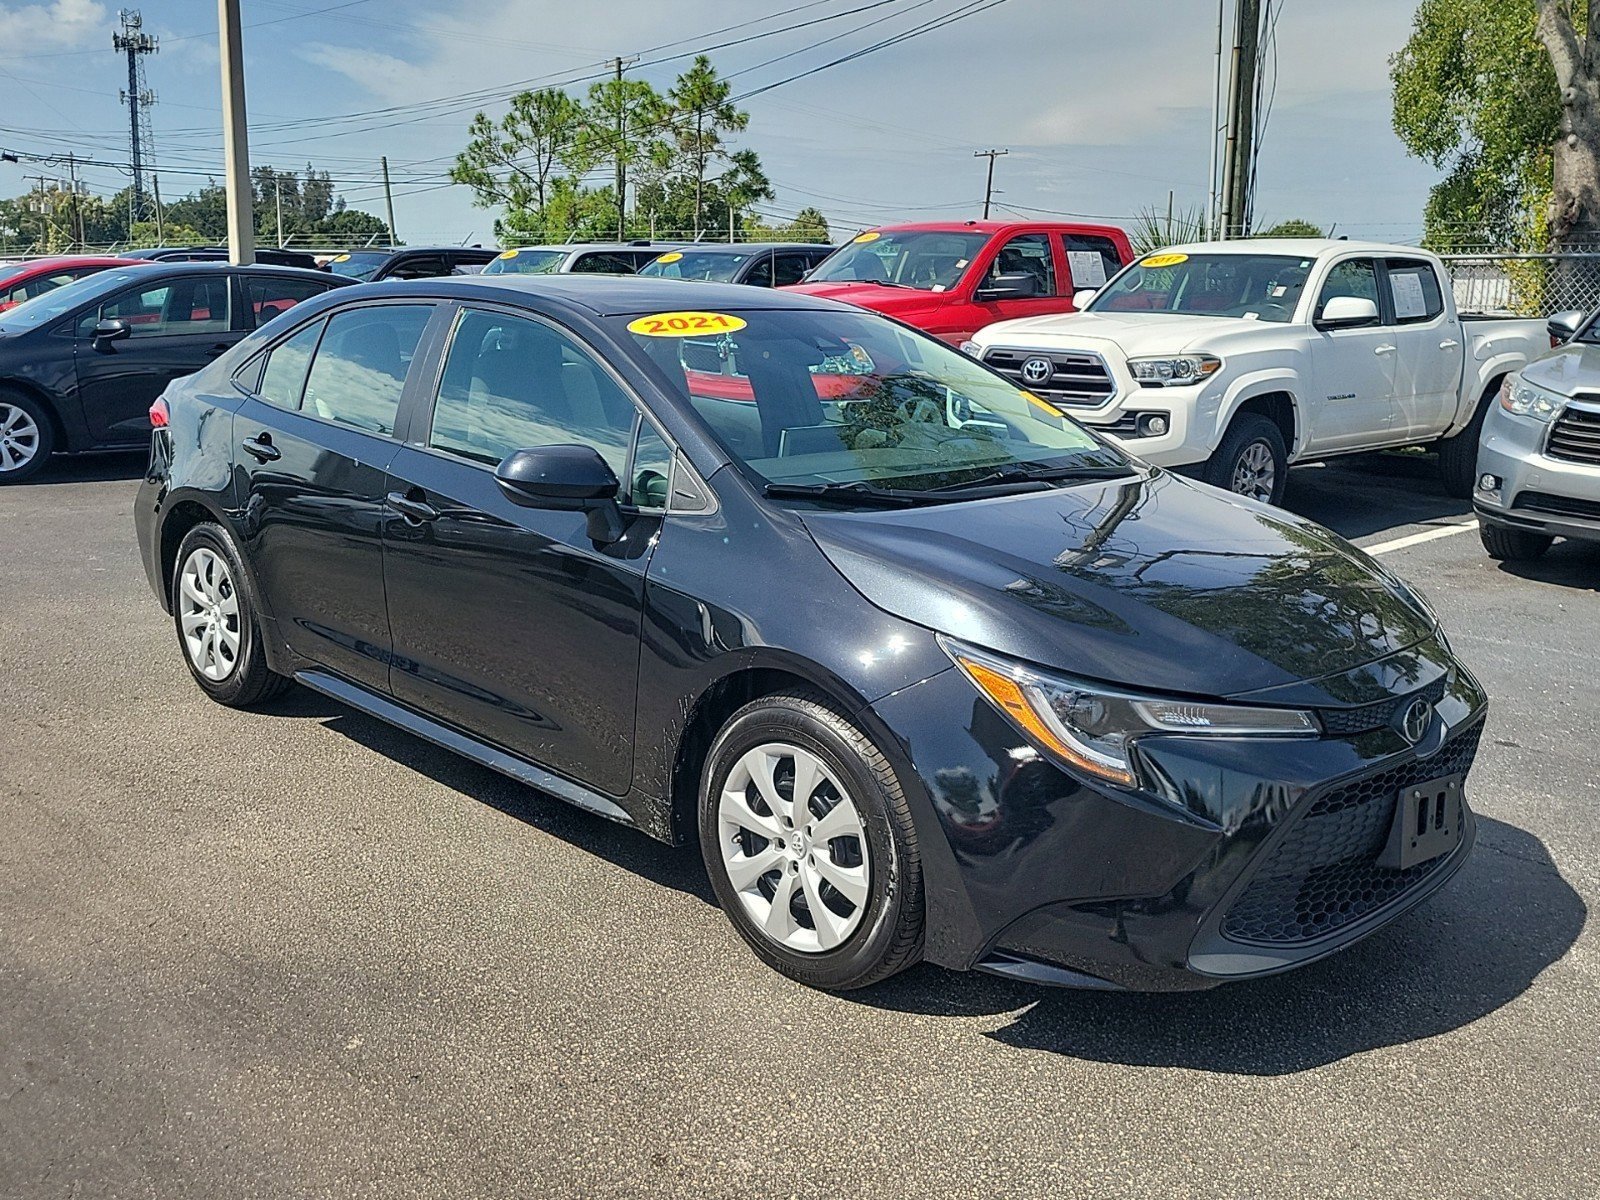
[1429, 348]
[510, 622]
[177, 324]
[1353, 370]
[270, 295]
[313, 439]
[1091, 259]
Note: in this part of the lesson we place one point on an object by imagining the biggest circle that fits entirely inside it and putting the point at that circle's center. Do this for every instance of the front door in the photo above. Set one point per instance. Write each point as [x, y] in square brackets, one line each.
[1028, 254]
[176, 325]
[510, 622]
[313, 441]
[1353, 370]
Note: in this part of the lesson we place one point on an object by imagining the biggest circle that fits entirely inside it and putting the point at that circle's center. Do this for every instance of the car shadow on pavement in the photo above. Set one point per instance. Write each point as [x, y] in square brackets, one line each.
[1566, 564]
[1474, 947]
[1373, 493]
[106, 467]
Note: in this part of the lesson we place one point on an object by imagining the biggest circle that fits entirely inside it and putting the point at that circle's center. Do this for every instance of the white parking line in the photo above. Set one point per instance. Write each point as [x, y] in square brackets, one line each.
[1416, 539]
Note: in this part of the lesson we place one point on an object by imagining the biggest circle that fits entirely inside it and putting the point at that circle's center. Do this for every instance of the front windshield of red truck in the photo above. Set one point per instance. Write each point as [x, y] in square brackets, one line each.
[929, 262]
[1251, 287]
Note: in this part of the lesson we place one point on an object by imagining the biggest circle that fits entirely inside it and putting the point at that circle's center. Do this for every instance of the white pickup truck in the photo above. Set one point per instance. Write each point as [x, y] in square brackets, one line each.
[1239, 358]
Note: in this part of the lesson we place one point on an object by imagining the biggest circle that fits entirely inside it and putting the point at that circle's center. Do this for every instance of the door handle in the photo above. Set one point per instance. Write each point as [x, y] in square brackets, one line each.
[415, 511]
[219, 349]
[1449, 344]
[1384, 349]
[261, 448]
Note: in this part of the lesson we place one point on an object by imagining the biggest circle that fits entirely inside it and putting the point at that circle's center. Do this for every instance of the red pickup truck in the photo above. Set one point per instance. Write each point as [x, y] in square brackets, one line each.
[951, 278]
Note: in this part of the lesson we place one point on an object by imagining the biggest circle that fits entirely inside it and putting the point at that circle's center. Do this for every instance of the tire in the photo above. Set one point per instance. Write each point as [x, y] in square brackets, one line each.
[1458, 455]
[1252, 460]
[873, 922]
[27, 437]
[1512, 545]
[222, 644]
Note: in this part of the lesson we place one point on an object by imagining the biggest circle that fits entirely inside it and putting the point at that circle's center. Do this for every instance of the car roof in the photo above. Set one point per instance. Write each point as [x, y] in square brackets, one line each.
[569, 247]
[992, 227]
[747, 247]
[55, 262]
[603, 295]
[160, 268]
[1297, 247]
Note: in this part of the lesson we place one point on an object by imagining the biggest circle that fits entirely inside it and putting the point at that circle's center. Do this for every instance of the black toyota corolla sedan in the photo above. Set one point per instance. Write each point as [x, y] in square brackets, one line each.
[927, 669]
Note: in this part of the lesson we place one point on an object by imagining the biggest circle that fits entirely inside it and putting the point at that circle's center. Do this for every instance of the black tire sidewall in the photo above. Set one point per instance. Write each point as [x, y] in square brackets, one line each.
[783, 718]
[1245, 430]
[250, 675]
[47, 436]
[1506, 544]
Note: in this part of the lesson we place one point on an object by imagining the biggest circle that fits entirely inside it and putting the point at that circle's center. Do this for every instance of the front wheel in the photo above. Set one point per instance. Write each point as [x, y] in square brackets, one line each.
[1252, 460]
[1512, 545]
[27, 438]
[809, 843]
[1458, 455]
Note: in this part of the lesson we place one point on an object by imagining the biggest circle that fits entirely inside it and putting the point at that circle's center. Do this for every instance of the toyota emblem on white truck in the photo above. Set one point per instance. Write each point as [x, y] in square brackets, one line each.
[1037, 370]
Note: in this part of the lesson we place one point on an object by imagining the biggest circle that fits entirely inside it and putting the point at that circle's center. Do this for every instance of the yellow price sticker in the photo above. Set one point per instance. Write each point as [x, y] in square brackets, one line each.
[1164, 260]
[670, 256]
[509, 254]
[685, 324]
[869, 236]
[340, 258]
[1044, 404]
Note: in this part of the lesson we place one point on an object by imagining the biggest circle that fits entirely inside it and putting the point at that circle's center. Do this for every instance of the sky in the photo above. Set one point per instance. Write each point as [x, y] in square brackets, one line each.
[1104, 107]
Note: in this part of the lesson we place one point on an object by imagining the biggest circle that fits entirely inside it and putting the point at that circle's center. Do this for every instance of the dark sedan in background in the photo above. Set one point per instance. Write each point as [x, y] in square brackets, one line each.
[409, 262]
[270, 256]
[80, 365]
[927, 669]
[761, 264]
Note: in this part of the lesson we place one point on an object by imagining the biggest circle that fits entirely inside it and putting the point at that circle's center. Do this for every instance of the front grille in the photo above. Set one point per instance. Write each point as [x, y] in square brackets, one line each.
[1323, 874]
[1560, 506]
[1077, 380]
[1342, 722]
[1575, 436]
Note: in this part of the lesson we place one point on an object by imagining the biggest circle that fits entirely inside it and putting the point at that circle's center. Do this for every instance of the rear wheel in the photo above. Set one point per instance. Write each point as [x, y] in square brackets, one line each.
[1252, 460]
[217, 627]
[809, 844]
[27, 438]
[1512, 545]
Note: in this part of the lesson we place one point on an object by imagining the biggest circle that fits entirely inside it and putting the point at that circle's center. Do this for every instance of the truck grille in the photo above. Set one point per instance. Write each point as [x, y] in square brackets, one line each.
[1575, 436]
[1324, 873]
[1077, 380]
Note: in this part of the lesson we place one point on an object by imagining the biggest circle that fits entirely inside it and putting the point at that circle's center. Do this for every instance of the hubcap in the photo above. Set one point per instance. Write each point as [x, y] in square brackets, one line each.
[1254, 474]
[19, 437]
[208, 611]
[793, 847]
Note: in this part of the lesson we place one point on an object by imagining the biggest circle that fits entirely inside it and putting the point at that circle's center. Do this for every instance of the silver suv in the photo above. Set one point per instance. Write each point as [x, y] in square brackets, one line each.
[1539, 459]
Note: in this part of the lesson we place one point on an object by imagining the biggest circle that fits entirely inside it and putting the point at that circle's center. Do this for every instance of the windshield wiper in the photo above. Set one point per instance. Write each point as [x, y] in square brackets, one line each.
[1018, 473]
[851, 493]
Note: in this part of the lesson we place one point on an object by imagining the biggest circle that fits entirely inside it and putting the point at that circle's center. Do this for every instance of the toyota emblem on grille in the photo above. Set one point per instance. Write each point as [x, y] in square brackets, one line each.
[1419, 714]
[1037, 370]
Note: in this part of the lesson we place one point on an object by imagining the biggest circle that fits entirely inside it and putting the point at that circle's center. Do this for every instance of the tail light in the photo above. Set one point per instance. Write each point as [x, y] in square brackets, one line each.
[160, 415]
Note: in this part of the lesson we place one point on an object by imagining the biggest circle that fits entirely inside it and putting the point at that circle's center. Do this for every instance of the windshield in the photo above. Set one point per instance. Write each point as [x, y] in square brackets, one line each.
[531, 261]
[812, 398]
[695, 264]
[44, 308]
[930, 262]
[358, 264]
[1251, 287]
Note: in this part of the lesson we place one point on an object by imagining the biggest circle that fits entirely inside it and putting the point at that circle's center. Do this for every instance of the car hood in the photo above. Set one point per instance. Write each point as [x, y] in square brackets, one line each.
[1566, 369]
[895, 301]
[1152, 582]
[1130, 333]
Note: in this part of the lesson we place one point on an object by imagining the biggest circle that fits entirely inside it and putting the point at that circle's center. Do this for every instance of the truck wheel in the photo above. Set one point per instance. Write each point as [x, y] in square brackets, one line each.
[1458, 455]
[1512, 545]
[1252, 460]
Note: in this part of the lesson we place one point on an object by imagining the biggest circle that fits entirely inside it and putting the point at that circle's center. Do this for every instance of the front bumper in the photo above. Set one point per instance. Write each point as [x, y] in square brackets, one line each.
[1537, 493]
[1236, 858]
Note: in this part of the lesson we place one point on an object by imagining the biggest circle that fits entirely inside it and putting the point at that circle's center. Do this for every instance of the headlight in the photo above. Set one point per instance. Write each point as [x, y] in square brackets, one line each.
[1525, 399]
[1092, 728]
[1175, 370]
[971, 350]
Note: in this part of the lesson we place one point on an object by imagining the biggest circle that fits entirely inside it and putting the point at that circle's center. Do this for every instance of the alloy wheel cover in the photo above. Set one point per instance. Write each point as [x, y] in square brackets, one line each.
[1254, 472]
[208, 614]
[19, 437]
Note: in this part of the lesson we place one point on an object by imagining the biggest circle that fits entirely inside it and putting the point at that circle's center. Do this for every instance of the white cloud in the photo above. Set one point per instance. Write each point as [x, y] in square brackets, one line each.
[62, 24]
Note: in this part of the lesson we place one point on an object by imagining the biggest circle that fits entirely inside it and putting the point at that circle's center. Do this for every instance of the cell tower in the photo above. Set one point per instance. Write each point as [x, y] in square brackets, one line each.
[136, 43]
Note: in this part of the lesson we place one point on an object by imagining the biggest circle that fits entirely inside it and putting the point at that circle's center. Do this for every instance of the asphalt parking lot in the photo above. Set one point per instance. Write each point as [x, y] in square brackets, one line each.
[298, 953]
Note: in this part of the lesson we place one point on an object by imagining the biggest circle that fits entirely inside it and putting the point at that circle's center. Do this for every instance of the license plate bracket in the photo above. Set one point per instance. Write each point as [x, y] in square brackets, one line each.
[1428, 820]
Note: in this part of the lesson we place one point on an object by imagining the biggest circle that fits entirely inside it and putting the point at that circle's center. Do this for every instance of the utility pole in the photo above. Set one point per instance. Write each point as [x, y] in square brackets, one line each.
[235, 139]
[988, 187]
[622, 179]
[155, 187]
[136, 43]
[277, 192]
[1216, 127]
[1239, 149]
[388, 197]
[77, 209]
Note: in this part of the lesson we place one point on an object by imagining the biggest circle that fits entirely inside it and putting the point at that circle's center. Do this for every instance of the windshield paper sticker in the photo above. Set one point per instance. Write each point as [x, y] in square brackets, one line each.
[1088, 268]
[684, 324]
[1164, 260]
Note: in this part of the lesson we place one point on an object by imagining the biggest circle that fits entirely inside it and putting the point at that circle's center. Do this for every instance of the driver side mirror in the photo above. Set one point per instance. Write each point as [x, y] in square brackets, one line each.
[1347, 312]
[1009, 287]
[568, 479]
[1563, 326]
[1081, 297]
[108, 331]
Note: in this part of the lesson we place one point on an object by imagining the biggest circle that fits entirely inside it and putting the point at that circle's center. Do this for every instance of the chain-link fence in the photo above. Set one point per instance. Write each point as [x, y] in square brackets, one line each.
[1528, 285]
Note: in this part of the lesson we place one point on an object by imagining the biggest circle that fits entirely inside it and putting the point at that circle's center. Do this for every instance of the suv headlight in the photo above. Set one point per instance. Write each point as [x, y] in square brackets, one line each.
[1526, 399]
[1092, 727]
[1174, 370]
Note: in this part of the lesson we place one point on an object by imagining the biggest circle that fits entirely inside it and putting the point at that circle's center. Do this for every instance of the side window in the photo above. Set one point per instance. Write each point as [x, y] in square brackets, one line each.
[510, 383]
[1028, 254]
[1414, 291]
[425, 267]
[1354, 277]
[790, 268]
[274, 295]
[196, 305]
[284, 380]
[652, 469]
[603, 263]
[360, 368]
[1091, 260]
[761, 274]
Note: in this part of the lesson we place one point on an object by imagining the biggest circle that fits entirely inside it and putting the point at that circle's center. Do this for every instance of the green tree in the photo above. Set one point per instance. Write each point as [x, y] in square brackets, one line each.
[623, 125]
[515, 163]
[702, 114]
[1295, 227]
[809, 225]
